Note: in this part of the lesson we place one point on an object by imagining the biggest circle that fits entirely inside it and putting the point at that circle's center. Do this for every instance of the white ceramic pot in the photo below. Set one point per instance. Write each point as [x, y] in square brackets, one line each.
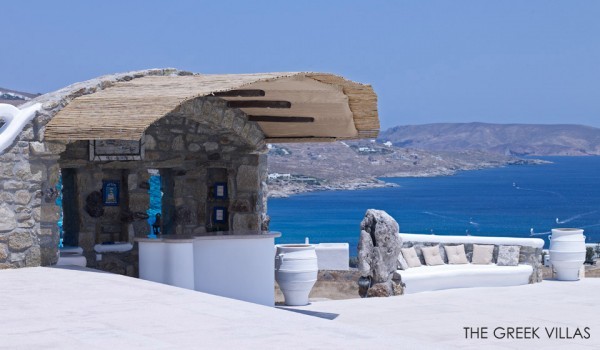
[567, 252]
[296, 272]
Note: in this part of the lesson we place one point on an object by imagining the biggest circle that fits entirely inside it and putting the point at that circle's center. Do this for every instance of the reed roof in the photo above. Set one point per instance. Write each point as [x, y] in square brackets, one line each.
[289, 107]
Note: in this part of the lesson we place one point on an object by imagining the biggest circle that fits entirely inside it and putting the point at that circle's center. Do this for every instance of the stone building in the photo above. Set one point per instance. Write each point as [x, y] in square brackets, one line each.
[200, 133]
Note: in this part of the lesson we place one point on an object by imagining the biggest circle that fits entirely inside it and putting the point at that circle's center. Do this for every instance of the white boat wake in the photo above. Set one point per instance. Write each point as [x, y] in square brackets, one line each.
[532, 233]
[575, 217]
[470, 222]
[536, 190]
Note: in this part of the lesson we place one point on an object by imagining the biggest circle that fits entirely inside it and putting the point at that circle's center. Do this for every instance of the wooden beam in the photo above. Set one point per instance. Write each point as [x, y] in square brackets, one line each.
[280, 119]
[240, 93]
[296, 139]
[259, 104]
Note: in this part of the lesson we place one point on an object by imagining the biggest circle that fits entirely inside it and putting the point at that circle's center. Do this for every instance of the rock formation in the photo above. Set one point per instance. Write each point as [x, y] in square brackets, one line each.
[378, 249]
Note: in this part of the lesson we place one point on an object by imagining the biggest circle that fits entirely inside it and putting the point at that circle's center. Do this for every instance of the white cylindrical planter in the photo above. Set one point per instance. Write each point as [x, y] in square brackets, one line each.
[567, 252]
[296, 272]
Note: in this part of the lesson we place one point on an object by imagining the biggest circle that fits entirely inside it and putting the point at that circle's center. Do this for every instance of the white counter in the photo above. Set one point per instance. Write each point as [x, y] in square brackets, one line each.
[236, 265]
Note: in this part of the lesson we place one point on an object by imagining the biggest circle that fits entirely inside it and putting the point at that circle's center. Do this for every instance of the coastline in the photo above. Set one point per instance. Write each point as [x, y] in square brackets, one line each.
[284, 189]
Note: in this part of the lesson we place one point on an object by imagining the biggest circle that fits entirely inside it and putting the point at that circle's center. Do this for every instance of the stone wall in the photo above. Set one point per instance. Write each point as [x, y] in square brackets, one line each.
[126, 264]
[28, 213]
[20, 206]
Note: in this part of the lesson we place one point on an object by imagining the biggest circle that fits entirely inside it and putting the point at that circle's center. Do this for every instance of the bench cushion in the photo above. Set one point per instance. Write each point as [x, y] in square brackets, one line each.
[508, 255]
[410, 255]
[428, 278]
[432, 255]
[482, 254]
[456, 254]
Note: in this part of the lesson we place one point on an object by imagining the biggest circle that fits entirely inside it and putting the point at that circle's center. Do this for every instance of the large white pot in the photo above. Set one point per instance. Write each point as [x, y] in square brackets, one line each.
[296, 271]
[567, 252]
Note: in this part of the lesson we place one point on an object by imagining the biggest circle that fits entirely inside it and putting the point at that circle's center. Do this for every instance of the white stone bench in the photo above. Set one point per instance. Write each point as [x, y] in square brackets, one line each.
[429, 278]
[71, 256]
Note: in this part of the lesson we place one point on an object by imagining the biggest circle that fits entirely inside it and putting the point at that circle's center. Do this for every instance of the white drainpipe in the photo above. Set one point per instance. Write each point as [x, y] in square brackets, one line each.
[14, 121]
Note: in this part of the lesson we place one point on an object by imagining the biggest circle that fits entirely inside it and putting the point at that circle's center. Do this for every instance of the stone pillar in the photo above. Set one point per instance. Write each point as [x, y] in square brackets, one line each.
[44, 161]
[89, 184]
[28, 214]
[139, 199]
[248, 205]
[263, 173]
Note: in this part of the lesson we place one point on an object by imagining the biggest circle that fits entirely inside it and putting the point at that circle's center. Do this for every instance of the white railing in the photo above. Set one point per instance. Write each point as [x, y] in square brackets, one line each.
[529, 242]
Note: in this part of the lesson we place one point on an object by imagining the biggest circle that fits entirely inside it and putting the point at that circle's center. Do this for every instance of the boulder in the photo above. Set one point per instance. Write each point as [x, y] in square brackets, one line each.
[380, 290]
[365, 253]
[378, 249]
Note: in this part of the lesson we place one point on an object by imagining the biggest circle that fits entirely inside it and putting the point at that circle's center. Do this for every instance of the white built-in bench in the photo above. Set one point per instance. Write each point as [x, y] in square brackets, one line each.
[71, 256]
[429, 278]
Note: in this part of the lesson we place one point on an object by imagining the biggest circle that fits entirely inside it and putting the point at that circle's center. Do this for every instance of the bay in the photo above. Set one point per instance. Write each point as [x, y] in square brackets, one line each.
[510, 201]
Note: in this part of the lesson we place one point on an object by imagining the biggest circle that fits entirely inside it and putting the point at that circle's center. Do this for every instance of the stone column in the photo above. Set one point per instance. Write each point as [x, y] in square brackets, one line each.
[28, 223]
[247, 206]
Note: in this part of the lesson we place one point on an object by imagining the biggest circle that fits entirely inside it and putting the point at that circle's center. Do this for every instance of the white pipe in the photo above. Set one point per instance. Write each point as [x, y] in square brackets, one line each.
[14, 121]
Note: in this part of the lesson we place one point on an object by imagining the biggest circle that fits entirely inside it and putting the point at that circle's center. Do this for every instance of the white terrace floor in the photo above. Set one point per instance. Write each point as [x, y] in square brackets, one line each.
[51, 308]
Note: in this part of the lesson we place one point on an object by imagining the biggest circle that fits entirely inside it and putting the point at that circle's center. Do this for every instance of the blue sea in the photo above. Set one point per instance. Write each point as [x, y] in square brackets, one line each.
[511, 201]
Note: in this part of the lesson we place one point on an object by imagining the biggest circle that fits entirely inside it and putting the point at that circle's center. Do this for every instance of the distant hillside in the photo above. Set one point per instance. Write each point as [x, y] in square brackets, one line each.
[295, 168]
[507, 139]
[15, 98]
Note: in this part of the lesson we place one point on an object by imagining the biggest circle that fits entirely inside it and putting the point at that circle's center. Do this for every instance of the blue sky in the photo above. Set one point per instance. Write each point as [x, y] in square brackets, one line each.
[429, 61]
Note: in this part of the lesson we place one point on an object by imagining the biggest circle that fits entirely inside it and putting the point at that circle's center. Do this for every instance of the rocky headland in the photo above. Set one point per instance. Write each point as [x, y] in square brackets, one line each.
[298, 168]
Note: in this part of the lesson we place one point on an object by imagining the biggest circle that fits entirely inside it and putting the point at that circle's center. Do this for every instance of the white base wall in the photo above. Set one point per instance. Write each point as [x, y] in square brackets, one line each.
[179, 269]
[241, 269]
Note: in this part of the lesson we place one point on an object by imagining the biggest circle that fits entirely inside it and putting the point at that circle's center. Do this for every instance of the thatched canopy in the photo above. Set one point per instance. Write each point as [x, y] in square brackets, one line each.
[289, 107]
